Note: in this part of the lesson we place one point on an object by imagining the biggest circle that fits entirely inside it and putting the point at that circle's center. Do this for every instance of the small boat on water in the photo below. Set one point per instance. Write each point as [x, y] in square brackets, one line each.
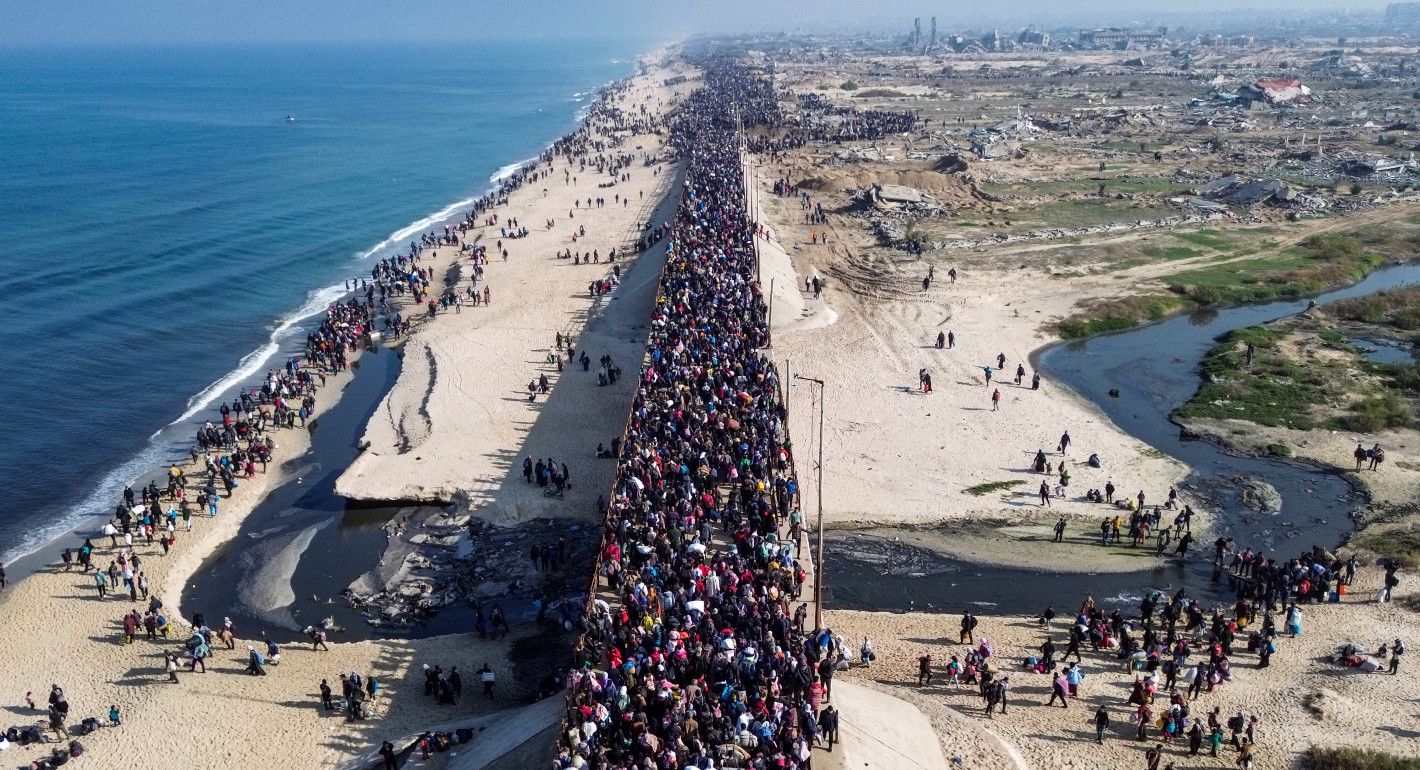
[290, 119]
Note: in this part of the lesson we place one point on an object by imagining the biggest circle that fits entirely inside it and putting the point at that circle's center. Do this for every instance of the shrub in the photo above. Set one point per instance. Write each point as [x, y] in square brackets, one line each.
[849, 86]
[1376, 414]
[1347, 758]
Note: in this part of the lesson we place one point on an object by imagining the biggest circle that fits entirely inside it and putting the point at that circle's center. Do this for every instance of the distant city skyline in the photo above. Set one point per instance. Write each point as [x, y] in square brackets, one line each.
[59, 22]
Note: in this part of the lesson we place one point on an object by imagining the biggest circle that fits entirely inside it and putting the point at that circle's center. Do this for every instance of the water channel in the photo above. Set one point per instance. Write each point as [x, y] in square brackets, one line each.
[1154, 369]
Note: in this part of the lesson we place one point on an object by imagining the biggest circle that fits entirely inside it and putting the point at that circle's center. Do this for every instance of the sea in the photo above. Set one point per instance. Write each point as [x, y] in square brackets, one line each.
[173, 220]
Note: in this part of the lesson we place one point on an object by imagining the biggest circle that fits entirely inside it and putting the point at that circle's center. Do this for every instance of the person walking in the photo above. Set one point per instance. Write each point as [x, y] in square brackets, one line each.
[1060, 529]
[485, 675]
[1058, 689]
[828, 722]
[1045, 493]
[1101, 724]
[996, 400]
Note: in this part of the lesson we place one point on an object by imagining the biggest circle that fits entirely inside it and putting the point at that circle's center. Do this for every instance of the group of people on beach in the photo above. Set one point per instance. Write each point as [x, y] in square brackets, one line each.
[1178, 649]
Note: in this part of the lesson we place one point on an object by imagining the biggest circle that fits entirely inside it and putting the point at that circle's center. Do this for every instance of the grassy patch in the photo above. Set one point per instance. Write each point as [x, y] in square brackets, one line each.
[1172, 253]
[1118, 314]
[1401, 545]
[995, 486]
[1274, 391]
[1279, 450]
[1370, 415]
[1347, 758]
[1398, 308]
[1208, 239]
[1333, 337]
[1320, 262]
[1088, 212]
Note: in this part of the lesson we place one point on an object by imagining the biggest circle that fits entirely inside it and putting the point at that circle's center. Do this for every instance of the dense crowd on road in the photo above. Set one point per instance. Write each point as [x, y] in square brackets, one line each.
[702, 662]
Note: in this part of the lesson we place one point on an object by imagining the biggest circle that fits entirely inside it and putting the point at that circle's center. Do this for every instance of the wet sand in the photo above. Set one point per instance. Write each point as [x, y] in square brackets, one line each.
[62, 633]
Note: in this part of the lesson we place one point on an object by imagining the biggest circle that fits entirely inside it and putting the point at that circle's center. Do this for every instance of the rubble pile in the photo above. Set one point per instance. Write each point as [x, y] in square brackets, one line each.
[437, 557]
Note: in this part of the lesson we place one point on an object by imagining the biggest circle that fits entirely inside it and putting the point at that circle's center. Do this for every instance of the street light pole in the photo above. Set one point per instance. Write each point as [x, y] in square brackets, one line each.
[818, 551]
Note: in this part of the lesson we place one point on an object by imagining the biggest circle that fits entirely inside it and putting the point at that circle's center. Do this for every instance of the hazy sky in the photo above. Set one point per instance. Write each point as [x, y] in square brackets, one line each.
[43, 22]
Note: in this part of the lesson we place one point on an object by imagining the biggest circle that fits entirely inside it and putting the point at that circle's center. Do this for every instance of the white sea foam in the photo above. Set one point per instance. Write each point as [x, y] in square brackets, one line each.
[316, 303]
[510, 169]
[158, 452]
[398, 237]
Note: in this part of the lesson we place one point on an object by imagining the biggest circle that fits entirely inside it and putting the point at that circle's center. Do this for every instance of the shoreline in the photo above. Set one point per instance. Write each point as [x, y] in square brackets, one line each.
[107, 672]
[289, 325]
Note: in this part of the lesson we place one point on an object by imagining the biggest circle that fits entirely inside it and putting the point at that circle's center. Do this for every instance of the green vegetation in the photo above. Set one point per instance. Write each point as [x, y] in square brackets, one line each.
[849, 85]
[1087, 212]
[1118, 314]
[1208, 239]
[1348, 758]
[1086, 186]
[1172, 253]
[1398, 308]
[1369, 415]
[1321, 261]
[1279, 450]
[1275, 391]
[995, 486]
[880, 93]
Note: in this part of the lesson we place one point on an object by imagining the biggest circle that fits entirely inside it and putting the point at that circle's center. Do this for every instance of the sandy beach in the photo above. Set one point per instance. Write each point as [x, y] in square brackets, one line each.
[903, 456]
[941, 467]
[72, 638]
[458, 423]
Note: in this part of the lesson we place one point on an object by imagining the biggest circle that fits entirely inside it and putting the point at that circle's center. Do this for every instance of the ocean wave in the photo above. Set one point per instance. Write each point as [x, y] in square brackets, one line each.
[96, 503]
[252, 363]
[510, 169]
[397, 237]
[151, 459]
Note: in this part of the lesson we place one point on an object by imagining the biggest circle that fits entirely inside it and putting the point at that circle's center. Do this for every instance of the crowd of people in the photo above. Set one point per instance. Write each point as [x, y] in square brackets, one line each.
[820, 120]
[703, 659]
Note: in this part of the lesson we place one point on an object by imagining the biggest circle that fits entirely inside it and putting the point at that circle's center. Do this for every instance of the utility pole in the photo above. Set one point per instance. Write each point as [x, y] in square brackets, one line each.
[769, 322]
[818, 551]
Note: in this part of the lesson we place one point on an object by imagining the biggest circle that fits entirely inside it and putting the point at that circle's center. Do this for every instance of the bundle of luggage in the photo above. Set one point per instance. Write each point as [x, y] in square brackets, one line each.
[59, 757]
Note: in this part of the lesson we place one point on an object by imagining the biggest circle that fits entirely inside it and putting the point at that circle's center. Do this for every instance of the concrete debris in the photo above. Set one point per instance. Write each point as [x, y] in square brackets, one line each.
[1278, 91]
[951, 163]
[1243, 191]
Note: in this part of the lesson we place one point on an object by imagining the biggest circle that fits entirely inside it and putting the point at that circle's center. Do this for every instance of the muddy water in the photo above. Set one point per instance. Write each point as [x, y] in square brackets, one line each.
[302, 545]
[1154, 369]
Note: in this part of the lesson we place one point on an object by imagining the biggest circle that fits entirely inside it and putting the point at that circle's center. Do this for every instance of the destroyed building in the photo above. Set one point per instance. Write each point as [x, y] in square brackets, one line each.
[1274, 91]
[1116, 37]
